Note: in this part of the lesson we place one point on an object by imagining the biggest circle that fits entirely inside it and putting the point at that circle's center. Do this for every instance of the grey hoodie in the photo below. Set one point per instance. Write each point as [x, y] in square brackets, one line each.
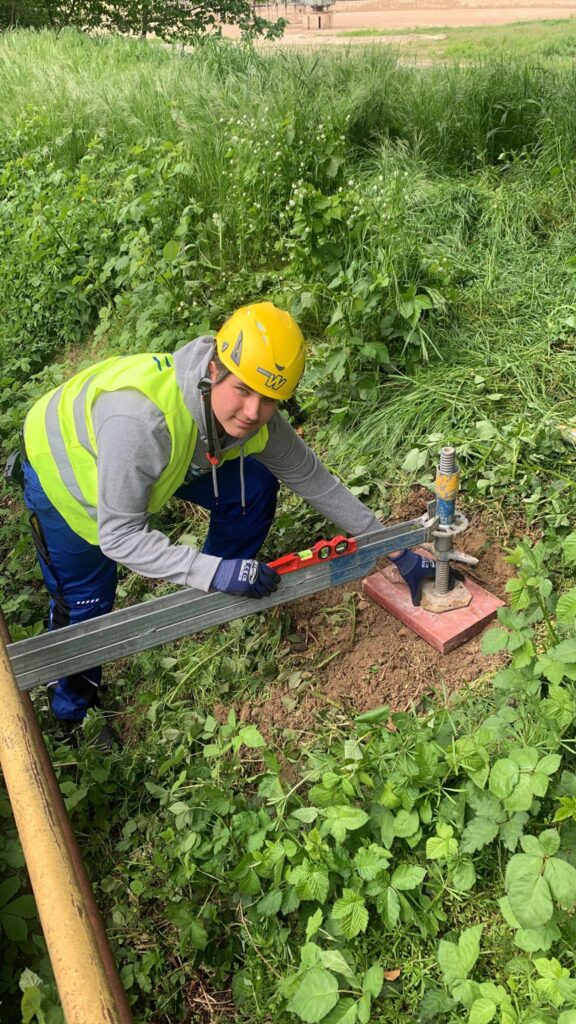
[134, 448]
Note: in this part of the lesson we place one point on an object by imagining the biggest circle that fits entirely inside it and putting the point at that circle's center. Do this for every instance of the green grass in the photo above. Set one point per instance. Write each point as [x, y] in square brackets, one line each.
[420, 225]
[552, 40]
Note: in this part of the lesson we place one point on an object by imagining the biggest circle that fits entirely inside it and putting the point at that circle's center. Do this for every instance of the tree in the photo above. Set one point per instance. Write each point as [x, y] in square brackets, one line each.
[171, 20]
[22, 14]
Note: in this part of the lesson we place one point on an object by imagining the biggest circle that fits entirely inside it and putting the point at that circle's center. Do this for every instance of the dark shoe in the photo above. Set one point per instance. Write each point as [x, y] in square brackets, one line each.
[103, 737]
[68, 733]
[106, 739]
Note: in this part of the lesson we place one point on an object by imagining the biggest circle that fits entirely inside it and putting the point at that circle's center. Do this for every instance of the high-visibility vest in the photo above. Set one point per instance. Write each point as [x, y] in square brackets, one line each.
[61, 443]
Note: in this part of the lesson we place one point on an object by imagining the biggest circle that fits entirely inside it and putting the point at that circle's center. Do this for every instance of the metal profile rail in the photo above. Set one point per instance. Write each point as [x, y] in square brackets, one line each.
[122, 633]
[88, 984]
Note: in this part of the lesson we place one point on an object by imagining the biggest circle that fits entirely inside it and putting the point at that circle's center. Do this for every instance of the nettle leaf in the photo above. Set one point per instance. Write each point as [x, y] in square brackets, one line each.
[407, 876]
[478, 833]
[457, 960]
[315, 996]
[350, 910]
[363, 1009]
[561, 878]
[528, 892]
[483, 803]
[482, 1011]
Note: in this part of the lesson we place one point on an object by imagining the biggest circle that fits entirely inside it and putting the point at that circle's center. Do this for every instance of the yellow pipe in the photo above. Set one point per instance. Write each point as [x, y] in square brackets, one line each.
[88, 984]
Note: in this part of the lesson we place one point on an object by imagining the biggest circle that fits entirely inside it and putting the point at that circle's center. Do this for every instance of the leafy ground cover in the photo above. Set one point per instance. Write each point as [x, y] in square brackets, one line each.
[379, 864]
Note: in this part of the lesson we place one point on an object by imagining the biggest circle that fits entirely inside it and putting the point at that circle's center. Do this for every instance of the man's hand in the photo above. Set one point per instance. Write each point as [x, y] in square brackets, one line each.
[414, 570]
[245, 577]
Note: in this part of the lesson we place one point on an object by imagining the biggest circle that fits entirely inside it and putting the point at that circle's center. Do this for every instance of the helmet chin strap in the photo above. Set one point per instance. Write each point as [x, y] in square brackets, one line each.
[206, 392]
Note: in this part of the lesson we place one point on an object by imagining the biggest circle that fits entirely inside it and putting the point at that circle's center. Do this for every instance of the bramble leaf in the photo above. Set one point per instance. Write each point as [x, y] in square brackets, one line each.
[406, 824]
[504, 777]
[478, 833]
[315, 996]
[457, 960]
[561, 878]
[373, 981]
[494, 640]
[407, 876]
[350, 910]
[464, 876]
[371, 860]
[482, 1011]
[528, 892]
[341, 819]
[343, 1013]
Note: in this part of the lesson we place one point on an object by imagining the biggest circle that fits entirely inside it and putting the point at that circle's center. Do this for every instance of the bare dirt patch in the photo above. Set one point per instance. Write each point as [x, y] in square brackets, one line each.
[346, 655]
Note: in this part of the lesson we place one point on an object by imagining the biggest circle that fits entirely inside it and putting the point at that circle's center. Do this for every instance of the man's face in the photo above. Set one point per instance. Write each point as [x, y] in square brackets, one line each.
[238, 409]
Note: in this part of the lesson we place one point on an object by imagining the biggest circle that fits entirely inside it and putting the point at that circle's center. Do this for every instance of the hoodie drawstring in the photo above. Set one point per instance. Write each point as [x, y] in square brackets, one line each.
[242, 482]
[205, 387]
[206, 392]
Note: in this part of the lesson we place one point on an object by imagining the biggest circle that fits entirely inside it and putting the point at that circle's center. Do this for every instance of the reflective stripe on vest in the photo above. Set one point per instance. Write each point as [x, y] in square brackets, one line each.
[61, 443]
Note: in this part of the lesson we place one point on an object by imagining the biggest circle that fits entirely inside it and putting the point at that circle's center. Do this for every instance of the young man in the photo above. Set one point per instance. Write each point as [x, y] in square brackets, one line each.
[113, 444]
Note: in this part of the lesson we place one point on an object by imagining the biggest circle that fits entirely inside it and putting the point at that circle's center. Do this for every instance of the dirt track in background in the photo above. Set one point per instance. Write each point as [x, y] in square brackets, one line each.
[355, 15]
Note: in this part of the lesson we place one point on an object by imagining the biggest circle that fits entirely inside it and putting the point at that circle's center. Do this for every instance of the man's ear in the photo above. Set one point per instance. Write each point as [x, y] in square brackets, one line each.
[213, 370]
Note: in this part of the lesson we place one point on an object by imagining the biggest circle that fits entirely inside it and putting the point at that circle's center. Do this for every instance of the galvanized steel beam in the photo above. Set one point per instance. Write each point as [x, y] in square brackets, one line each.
[44, 658]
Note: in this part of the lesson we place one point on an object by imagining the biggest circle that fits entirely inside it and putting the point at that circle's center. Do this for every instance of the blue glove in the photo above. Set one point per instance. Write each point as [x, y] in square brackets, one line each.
[414, 570]
[245, 577]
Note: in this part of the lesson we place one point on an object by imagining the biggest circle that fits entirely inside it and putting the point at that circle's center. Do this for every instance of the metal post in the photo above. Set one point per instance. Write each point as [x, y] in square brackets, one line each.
[447, 480]
[89, 988]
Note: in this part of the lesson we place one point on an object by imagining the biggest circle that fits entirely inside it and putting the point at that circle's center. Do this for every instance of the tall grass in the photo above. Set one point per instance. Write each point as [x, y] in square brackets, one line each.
[405, 215]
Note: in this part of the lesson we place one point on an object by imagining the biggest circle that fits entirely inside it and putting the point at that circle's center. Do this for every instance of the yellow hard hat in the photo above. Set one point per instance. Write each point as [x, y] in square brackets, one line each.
[264, 347]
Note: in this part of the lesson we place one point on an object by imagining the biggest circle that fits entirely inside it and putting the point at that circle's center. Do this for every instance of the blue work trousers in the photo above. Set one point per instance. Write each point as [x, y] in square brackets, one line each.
[81, 580]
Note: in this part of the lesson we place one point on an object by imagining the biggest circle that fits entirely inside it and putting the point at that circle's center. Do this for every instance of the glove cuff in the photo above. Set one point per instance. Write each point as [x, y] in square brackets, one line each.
[405, 561]
[222, 578]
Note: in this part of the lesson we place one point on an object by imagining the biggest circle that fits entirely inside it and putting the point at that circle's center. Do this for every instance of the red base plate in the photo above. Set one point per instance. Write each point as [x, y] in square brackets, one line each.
[444, 630]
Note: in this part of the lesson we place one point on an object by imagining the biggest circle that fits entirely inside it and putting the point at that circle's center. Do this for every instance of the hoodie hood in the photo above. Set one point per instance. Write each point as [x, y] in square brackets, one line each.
[191, 368]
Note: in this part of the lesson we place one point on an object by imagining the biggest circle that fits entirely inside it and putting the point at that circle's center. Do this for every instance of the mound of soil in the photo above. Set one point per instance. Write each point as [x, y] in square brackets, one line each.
[346, 655]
